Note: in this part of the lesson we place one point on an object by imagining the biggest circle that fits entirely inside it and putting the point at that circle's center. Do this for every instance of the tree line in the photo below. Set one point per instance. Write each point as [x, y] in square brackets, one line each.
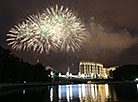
[15, 70]
[125, 73]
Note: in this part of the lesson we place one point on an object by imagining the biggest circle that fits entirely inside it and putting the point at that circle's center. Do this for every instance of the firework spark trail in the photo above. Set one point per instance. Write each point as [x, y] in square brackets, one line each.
[56, 29]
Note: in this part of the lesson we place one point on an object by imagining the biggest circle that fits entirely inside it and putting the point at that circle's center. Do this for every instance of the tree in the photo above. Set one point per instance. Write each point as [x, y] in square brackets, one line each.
[13, 69]
[126, 72]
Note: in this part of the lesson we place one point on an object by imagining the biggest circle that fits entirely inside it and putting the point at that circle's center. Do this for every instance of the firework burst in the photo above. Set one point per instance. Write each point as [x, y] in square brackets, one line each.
[56, 29]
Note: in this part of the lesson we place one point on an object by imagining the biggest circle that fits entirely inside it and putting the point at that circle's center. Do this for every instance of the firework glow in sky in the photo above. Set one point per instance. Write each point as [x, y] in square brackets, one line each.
[56, 29]
[61, 33]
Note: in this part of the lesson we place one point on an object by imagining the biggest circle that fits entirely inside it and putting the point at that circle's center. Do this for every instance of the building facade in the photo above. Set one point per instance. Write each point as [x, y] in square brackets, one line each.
[92, 70]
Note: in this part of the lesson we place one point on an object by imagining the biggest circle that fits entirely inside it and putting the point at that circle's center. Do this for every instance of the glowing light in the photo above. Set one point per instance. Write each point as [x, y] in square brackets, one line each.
[71, 92]
[51, 94]
[59, 90]
[107, 90]
[56, 29]
[136, 79]
[80, 92]
[83, 90]
[23, 91]
[68, 95]
[92, 88]
[95, 90]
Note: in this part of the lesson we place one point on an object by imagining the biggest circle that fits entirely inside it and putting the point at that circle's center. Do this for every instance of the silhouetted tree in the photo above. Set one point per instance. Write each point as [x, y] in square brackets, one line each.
[126, 72]
[13, 69]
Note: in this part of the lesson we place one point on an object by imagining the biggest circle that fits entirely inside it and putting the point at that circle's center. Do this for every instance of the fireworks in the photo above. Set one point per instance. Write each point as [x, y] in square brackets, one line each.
[56, 29]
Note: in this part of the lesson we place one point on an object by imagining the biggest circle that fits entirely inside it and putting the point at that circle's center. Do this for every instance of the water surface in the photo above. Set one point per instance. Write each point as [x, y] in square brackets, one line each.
[73, 93]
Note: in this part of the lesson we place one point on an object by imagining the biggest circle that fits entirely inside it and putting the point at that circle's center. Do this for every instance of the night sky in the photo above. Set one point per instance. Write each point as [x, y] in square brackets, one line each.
[112, 27]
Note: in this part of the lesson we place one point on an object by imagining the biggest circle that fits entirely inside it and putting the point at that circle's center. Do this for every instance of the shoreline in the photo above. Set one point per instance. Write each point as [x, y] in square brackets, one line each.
[62, 83]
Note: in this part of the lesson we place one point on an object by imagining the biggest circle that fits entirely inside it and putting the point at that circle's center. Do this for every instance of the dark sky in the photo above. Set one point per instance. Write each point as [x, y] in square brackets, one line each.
[112, 27]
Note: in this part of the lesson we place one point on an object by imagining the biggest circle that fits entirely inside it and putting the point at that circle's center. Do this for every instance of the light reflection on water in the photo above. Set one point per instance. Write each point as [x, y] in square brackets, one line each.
[84, 93]
[72, 93]
[23, 91]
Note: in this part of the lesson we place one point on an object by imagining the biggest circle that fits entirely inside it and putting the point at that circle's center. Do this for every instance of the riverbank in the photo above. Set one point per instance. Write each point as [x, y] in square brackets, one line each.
[62, 83]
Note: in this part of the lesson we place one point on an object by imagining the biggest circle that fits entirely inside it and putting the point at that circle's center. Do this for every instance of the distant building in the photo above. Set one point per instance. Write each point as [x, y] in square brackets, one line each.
[92, 70]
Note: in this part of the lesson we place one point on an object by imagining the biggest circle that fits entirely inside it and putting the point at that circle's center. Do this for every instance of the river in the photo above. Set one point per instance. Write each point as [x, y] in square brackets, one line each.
[73, 93]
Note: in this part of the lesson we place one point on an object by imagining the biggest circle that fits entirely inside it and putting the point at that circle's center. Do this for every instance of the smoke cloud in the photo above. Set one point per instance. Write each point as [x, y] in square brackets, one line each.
[105, 45]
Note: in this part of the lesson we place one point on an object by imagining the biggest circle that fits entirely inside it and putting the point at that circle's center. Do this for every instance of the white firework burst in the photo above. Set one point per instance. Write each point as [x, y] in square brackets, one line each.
[56, 29]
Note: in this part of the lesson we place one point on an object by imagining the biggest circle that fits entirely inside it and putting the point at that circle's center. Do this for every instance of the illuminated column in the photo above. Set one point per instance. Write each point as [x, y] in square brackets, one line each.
[85, 68]
[96, 70]
[93, 69]
[102, 72]
[90, 69]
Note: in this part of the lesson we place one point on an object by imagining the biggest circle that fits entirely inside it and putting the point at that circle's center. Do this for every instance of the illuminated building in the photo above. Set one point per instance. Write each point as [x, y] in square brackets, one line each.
[92, 70]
